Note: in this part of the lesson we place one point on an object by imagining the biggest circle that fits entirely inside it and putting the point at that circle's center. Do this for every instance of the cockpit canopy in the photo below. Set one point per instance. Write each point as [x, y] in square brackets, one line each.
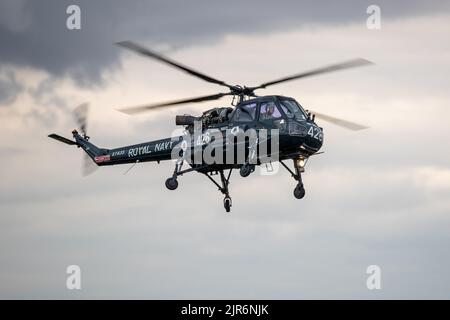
[269, 109]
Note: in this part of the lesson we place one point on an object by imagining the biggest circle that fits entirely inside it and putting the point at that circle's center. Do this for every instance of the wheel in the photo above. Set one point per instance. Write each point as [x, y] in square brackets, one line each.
[227, 204]
[299, 191]
[171, 183]
[246, 169]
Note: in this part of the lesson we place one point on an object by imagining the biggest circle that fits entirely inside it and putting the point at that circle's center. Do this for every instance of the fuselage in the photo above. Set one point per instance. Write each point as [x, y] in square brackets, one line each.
[267, 117]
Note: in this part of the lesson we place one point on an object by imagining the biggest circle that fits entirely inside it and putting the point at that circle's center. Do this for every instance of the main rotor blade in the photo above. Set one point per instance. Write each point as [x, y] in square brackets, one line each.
[340, 122]
[146, 52]
[139, 109]
[335, 67]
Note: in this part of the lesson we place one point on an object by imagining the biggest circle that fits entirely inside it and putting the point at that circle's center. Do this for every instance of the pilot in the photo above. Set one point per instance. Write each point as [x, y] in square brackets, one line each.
[270, 109]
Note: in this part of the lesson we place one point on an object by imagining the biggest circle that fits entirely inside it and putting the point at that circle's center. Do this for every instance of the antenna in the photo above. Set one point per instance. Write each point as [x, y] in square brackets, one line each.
[129, 169]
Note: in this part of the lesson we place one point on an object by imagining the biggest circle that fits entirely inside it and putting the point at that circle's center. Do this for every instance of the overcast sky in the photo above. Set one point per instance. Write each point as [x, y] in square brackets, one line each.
[375, 197]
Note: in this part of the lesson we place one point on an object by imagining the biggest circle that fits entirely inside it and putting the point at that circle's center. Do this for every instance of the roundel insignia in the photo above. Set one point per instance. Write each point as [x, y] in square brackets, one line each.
[235, 130]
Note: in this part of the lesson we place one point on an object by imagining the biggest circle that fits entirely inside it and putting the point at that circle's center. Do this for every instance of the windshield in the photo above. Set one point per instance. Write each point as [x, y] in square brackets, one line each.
[293, 110]
[245, 113]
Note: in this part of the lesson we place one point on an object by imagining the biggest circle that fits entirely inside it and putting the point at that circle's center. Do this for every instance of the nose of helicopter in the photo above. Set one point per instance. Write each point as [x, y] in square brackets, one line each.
[314, 138]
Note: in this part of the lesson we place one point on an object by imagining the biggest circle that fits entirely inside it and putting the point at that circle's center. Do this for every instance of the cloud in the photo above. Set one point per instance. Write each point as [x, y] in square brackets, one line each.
[13, 16]
[35, 34]
[374, 197]
[9, 87]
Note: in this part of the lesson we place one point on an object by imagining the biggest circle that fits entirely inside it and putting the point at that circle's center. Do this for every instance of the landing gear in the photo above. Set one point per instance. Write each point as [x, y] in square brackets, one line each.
[227, 203]
[223, 187]
[246, 169]
[299, 191]
[172, 183]
[299, 165]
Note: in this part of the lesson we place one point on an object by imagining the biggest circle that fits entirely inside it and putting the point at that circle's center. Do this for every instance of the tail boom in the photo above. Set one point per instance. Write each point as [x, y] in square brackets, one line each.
[158, 150]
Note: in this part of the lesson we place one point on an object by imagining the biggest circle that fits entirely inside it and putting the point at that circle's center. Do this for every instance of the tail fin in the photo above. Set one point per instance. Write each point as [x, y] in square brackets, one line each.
[82, 142]
[62, 139]
[92, 151]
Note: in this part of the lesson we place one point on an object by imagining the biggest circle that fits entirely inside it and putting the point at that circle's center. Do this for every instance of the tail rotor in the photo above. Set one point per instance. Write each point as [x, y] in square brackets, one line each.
[80, 114]
[91, 151]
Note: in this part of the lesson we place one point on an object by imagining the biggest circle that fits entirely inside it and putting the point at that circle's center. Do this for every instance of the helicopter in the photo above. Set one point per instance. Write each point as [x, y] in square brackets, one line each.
[290, 129]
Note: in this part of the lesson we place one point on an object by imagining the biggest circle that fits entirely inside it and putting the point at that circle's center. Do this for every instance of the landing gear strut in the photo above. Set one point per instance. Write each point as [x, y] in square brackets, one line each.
[172, 183]
[248, 167]
[299, 167]
[223, 187]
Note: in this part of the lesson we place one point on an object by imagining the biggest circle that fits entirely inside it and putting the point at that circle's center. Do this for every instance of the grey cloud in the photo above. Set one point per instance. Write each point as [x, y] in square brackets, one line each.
[6, 151]
[9, 87]
[369, 199]
[36, 35]
[157, 249]
[45, 94]
[13, 16]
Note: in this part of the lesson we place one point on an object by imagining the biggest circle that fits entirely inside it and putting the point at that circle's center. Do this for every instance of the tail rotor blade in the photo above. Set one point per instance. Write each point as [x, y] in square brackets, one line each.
[80, 114]
[89, 167]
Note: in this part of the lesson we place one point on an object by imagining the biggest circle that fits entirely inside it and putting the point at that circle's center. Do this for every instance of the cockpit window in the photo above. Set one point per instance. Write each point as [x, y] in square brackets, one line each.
[269, 111]
[245, 113]
[293, 110]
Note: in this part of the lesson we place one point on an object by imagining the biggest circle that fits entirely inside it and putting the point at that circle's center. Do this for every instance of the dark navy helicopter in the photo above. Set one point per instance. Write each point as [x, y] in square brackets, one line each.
[298, 135]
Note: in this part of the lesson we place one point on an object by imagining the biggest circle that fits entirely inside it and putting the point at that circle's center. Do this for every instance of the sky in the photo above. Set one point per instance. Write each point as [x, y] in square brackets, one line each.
[374, 197]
